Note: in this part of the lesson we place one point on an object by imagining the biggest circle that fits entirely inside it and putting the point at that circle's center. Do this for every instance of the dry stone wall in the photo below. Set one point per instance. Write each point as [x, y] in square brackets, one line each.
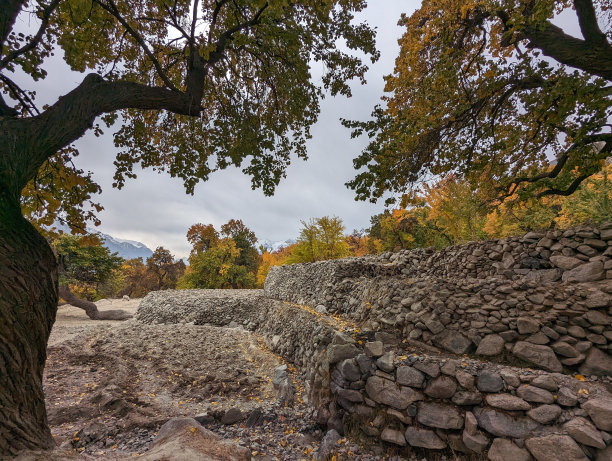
[474, 349]
[554, 315]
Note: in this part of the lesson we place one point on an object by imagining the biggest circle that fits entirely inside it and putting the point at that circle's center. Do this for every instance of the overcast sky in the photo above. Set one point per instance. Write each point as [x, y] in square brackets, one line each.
[154, 208]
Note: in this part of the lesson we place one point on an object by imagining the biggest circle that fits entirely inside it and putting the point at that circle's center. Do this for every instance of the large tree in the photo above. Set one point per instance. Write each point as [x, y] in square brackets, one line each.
[196, 86]
[494, 87]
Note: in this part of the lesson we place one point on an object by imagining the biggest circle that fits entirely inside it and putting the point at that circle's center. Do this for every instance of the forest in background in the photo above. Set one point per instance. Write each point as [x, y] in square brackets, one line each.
[447, 212]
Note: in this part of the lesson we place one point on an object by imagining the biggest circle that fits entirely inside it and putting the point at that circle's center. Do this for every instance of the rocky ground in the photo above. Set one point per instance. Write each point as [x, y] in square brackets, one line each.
[111, 385]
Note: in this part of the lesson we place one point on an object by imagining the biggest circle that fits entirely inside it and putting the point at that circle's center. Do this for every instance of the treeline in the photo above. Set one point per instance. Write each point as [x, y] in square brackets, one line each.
[444, 213]
[447, 212]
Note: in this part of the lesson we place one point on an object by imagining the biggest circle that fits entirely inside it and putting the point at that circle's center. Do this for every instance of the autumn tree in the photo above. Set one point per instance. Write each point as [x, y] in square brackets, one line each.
[202, 237]
[196, 86]
[245, 241]
[137, 281]
[163, 269]
[86, 266]
[319, 239]
[495, 88]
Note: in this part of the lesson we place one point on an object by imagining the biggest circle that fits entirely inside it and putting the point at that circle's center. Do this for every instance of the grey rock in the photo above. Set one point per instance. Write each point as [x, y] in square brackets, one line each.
[507, 402]
[505, 450]
[465, 379]
[504, 425]
[527, 325]
[597, 363]
[328, 446]
[545, 414]
[339, 352]
[600, 411]
[475, 442]
[232, 416]
[584, 432]
[424, 438]
[385, 363]
[393, 436]
[564, 349]
[554, 448]
[542, 356]
[204, 418]
[490, 381]
[467, 398]
[350, 370]
[510, 378]
[606, 454]
[565, 262]
[452, 341]
[439, 415]
[430, 368]
[491, 345]
[443, 387]
[566, 397]
[350, 395]
[589, 272]
[408, 376]
[471, 425]
[535, 394]
[374, 348]
[545, 382]
[577, 331]
[388, 393]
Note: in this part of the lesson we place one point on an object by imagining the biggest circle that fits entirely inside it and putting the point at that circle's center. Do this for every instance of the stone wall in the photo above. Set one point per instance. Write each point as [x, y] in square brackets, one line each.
[478, 298]
[473, 349]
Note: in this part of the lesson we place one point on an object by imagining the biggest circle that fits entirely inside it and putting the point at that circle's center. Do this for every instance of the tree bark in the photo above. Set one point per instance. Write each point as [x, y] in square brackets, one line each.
[28, 304]
[90, 308]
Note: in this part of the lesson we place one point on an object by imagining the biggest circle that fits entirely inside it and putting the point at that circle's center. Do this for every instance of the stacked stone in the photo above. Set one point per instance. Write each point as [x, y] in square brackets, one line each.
[468, 406]
[553, 315]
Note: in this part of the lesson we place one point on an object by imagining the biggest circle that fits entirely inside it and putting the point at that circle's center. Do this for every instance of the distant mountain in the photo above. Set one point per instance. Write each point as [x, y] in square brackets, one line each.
[127, 249]
[275, 246]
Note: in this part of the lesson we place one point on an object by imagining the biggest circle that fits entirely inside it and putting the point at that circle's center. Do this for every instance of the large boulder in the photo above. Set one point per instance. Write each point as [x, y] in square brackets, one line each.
[554, 448]
[184, 439]
[452, 341]
[504, 425]
[589, 272]
[597, 363]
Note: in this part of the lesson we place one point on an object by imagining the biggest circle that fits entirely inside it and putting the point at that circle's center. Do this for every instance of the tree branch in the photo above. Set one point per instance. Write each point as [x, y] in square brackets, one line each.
[46, 14]
[588, 22]
[72, 115]
[113, 11]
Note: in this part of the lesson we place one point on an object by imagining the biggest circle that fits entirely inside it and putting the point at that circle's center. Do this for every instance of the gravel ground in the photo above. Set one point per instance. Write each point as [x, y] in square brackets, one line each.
[111, 385]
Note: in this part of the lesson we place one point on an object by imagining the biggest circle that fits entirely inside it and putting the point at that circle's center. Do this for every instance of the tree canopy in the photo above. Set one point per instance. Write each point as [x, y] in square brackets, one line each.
[194, 86]
[495, 88]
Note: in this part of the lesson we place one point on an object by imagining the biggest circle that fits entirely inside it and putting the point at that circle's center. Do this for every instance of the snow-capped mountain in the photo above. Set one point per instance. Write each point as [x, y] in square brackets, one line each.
[127, 249]
[275, 246]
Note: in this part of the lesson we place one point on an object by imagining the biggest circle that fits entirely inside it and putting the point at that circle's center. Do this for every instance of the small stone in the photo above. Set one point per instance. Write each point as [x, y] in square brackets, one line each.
[491, 345]
[429, 368]
[489, 381]
[542, 356]
[349, 370]
[589, 272]
[339, 352]
[471, 425]
[600, 411]
[505, 450]
[554, 448]
[566, 397]
[565, 262]
[386, 392]
[535, 394]
[476, 442]
[449, 368]
[439, 415]
[393, 436]
[510, 378]
[507, 402]
[564, 349]
[527, 325]
[385, 363]
[328, 445]
[504, 425]
[465, 379]
[545, 414]
[597, 363]
[576, 331]
[452, 341]
[408, 376]
[233, 415]
[584, 432]
[424, 438]
[596, 317]
[204, 418]
[545, 382]
[443, 387]
[467, 398]
[374, 348]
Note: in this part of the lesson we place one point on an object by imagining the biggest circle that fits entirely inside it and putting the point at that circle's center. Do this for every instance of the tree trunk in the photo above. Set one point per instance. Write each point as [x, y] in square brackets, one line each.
[90, 308]
[28, 304]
